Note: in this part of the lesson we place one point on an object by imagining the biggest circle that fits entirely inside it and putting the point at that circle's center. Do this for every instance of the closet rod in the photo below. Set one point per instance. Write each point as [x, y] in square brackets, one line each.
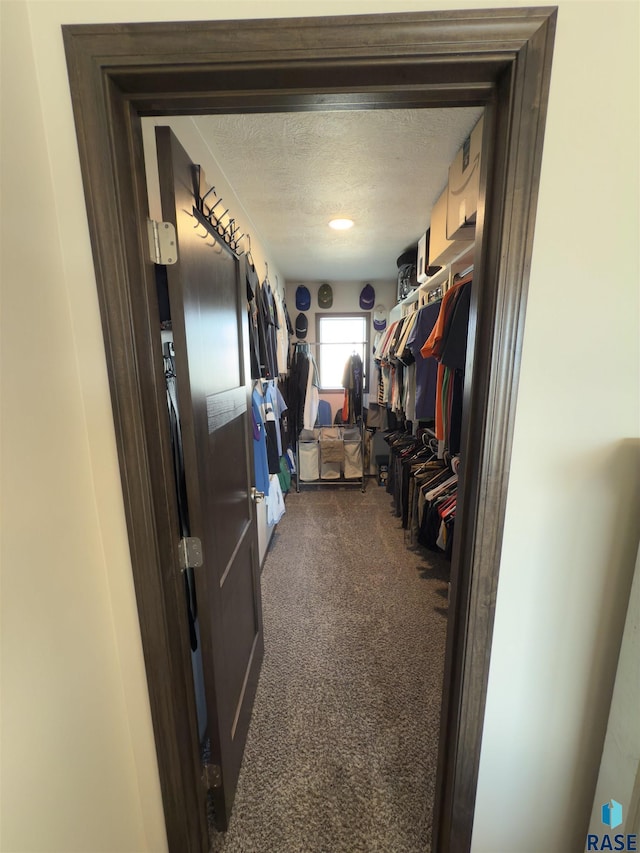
[329, 343]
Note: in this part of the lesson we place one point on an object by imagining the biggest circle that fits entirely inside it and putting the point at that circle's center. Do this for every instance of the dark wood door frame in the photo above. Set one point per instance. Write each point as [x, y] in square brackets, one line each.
[497, 58]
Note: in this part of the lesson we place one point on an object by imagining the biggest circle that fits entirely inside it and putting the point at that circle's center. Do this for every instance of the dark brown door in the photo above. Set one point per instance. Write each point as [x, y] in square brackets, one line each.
[209, 329]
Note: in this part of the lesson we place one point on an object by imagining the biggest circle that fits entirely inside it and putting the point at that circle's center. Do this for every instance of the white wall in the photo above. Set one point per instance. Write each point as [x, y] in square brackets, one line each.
[571, 528]
[619, 775]
[78, 764]
[79, 771]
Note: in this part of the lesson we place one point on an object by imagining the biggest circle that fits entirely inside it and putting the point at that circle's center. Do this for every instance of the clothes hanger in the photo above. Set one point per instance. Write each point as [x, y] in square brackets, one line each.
[248, 251]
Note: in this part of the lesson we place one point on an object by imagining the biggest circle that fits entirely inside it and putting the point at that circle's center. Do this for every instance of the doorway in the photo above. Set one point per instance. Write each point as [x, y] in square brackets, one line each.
[497, 59]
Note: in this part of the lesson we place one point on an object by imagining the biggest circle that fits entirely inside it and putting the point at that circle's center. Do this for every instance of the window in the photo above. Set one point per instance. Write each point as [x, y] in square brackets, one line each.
[339, 335]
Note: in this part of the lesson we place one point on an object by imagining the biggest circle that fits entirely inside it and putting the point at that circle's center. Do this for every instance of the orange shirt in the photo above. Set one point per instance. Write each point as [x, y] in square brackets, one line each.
[432, 346]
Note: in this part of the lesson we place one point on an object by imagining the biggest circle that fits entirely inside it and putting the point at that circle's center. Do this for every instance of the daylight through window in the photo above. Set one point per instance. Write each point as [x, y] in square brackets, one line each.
[338, 337]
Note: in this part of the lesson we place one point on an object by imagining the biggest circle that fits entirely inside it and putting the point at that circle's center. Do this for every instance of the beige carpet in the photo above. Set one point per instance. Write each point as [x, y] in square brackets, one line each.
[341, 754]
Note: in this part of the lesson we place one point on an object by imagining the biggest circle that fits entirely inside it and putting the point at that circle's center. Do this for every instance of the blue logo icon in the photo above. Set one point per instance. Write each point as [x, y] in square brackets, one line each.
[612, 814]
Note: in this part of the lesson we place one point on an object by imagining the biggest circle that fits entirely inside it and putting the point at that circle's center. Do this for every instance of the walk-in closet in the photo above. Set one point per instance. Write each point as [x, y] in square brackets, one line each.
[315, 276]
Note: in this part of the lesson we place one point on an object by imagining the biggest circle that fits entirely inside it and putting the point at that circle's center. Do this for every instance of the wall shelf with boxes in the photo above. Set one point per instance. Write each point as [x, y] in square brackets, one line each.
[449, 243]
[442, 280]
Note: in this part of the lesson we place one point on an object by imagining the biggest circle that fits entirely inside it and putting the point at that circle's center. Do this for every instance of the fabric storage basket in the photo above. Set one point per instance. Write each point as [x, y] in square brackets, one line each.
[351, 434]
[329, 470]
[309, 460]
[331, 453]
[331, 457]
[352, 459]
[309, 434]
[333, 432]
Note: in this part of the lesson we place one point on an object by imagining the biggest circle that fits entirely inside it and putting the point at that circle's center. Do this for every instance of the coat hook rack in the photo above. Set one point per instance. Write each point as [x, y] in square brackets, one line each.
[206, 215]
[206, 195]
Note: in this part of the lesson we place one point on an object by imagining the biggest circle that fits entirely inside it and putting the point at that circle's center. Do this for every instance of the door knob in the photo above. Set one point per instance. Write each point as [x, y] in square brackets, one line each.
[256, 495]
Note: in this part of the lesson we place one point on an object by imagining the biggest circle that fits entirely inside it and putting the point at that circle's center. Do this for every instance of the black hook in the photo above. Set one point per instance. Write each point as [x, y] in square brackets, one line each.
[212, 190]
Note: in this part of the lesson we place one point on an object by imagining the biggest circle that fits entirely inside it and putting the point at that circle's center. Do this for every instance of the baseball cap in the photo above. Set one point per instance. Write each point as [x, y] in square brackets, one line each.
[380, 318]
[303, 298]
[367, 297]
[302, 326]
[325, 296]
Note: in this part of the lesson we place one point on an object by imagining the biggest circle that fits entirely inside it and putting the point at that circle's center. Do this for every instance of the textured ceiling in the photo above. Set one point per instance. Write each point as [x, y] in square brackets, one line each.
[293, 172]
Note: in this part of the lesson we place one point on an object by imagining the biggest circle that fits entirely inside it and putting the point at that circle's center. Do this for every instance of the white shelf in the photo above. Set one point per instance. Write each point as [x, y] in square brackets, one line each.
[461, 261]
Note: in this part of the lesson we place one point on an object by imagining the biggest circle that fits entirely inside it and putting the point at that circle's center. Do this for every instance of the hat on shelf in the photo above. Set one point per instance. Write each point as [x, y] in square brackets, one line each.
[302, 326]
[325, 296]
[303, 298]
[380, 318]
[367, 298]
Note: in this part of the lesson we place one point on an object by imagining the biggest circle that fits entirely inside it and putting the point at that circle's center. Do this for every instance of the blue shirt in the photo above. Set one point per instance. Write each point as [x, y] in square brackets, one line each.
[260, 464]
[426, 368]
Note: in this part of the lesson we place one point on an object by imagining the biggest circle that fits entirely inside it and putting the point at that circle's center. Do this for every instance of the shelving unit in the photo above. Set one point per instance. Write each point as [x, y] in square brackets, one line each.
[443, 278]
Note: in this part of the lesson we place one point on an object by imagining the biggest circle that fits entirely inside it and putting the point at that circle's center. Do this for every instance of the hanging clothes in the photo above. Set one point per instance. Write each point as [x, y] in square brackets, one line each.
[268, 332]
[295, 388]
[271, 433]
[275, 503]
[312, 394]
[301, 389]
[261, 465]
[253, 313]
[434, 347]
[278, 405]
[352, 382]
[426, 368]
[284, 331]
[181, 485]
[454, 356]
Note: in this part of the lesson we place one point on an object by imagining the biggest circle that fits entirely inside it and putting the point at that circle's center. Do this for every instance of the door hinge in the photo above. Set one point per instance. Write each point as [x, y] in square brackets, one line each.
[211, 776]
[163, 247]
[190, 552]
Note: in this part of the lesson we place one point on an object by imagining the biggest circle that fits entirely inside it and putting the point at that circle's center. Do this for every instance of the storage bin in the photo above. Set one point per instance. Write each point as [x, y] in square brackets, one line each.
[331, 458]
[351, 434]
[309, 460]
[309, 434]
[352, 459]
[441, 249]
[329, 470]
[331, 432]
[464, 187]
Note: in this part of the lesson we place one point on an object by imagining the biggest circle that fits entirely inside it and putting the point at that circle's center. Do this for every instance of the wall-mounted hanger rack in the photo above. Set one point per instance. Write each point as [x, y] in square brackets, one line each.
[214, 222]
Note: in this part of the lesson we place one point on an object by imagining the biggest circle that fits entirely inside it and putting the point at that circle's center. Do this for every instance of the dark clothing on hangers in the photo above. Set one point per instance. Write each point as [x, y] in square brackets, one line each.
[294, 388]
[254, 320]
[426, 368]
[181, 485]
[455, 425]
[352, 383]
[268, 332]
[454, 350]
[454, 355]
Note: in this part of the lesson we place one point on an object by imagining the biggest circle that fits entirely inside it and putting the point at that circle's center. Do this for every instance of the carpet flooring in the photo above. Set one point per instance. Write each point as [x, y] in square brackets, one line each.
[342, 747]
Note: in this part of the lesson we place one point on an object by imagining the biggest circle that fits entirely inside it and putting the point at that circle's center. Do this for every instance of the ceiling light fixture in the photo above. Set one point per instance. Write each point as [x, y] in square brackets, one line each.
[341, 224]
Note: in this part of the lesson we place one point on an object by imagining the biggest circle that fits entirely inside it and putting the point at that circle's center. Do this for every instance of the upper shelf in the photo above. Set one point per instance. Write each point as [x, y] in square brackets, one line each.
[459, 263]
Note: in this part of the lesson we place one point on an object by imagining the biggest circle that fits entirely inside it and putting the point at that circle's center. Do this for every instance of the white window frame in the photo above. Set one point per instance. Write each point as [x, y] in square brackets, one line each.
[361, 347]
